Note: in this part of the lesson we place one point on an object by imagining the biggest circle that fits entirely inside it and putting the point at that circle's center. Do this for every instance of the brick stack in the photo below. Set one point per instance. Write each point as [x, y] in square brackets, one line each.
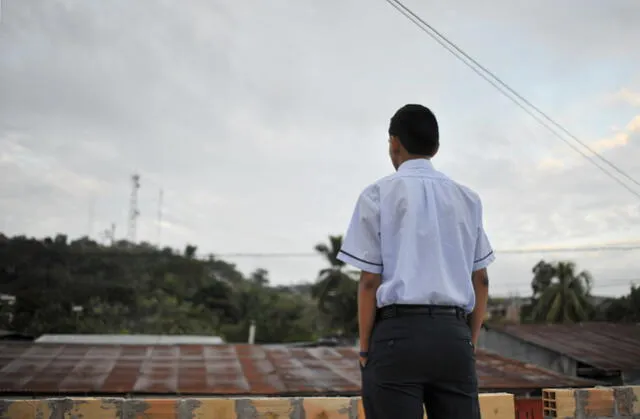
[597, 402]
[494, 406]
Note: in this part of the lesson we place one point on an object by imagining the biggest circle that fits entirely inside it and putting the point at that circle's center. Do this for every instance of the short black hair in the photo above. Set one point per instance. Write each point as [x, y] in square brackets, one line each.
[417, 129]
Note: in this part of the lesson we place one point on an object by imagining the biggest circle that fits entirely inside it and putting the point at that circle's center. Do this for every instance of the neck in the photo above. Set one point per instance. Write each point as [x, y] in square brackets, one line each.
[408, 157]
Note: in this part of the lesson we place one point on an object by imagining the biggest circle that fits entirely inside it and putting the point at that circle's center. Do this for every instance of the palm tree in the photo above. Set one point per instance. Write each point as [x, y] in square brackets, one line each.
[335, 288]
[560, 295]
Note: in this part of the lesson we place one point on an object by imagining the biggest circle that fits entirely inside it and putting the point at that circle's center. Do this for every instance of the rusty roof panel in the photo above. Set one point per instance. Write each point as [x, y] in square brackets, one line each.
[218, 370]
[607, 346]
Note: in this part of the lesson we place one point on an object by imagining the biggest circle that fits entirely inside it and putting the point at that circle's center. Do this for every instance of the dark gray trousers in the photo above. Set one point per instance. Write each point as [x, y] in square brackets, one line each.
[417, 362]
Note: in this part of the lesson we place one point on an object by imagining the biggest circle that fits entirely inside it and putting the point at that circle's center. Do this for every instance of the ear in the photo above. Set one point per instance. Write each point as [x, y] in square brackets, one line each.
[394, 144]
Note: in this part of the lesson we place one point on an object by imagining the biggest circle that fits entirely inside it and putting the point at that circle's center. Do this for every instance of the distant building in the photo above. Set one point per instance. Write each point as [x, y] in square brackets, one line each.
[606, 352]
[505, 310]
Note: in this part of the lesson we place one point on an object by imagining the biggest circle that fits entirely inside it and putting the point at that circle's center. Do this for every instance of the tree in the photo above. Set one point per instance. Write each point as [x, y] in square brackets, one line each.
[329, 278]
[61, 286]
[543, 274]
[625, 309]
[559, 294]
[260, 277]
[336, 289]
[190, 251]
[279, 316]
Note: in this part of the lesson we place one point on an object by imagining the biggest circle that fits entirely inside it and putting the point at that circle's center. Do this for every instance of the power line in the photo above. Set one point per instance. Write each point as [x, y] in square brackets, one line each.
[148, 252]
[586, 249]
[597, 283]
[499, 84]
[98, 282]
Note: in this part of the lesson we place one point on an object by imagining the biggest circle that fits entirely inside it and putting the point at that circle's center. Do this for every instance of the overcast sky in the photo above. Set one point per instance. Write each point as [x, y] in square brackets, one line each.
[263, 120]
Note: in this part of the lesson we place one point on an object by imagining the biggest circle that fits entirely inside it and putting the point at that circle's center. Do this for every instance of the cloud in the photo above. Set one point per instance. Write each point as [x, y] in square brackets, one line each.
[262, 121]
[550, 163]
[620, 138]
[627, 96]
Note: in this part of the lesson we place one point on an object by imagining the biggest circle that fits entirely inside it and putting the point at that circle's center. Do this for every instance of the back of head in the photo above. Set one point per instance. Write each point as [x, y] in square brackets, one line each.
[416, 128]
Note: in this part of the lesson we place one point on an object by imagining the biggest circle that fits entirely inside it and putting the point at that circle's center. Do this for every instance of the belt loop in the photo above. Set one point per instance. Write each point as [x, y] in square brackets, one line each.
[394, 311]
[430, 311]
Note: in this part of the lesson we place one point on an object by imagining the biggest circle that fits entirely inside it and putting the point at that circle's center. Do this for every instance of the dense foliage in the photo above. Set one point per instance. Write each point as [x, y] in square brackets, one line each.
[337, 290]
[562, 295]
[83, 287]
[624, 309]
[60, 286]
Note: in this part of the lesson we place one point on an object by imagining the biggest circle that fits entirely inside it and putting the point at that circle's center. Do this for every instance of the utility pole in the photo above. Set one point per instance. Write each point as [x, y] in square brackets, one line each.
[134, 213]
[252, 332]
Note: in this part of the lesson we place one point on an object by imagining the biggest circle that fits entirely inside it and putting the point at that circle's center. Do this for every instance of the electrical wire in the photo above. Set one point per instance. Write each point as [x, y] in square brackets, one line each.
[500, 84]
[585, 249]
[222, 257]
[598, 283]
[512, 285]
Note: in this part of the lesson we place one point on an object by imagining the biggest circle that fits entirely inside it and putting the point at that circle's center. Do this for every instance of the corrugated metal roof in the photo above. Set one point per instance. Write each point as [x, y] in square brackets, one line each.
[607, 346]
[218, 369]
[131, 339]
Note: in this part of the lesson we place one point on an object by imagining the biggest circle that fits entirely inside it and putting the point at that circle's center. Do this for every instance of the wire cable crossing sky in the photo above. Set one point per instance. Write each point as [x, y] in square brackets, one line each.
[614, 248]
[498, 83]
[261, 126]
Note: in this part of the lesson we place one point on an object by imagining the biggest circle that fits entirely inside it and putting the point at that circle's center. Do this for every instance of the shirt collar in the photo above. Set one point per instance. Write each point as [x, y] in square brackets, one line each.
[416, 164]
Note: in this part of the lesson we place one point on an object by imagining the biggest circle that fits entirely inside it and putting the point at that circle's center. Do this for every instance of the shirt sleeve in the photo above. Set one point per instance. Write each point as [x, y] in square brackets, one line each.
[484, 255]
[361, 244]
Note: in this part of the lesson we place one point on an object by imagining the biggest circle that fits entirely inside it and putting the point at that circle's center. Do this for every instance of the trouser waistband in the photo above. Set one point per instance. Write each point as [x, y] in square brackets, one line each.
[398, 310]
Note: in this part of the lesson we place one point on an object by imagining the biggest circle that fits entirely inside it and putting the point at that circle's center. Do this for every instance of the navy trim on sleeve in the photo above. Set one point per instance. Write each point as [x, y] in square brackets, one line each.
[361, 260]
[481, 259]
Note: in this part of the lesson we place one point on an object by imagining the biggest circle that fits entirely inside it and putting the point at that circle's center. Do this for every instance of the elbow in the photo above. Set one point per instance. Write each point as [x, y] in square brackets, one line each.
[370, 282]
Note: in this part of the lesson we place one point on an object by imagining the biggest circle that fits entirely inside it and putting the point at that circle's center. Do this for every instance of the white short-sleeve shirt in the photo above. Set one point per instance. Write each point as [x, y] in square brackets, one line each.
[423, 232]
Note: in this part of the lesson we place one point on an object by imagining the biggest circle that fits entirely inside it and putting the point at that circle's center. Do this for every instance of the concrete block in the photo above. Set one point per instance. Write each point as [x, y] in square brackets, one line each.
[18, 409]
[219, 408]
[327, 408]
[268, 408]
[635, 407]
[94, 408]
[559, 403]
[492, 406]
[497, 406]
[595, 402]
[627, 400]
[601, 402]
[150, 409]
[360, 409]
[53, 408]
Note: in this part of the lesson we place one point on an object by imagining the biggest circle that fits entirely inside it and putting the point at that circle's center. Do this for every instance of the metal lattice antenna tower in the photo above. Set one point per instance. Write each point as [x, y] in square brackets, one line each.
[134, 213]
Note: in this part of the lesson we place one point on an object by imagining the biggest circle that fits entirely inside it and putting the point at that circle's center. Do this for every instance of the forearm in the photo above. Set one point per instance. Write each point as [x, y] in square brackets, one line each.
[367, 290]
[480, 281]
